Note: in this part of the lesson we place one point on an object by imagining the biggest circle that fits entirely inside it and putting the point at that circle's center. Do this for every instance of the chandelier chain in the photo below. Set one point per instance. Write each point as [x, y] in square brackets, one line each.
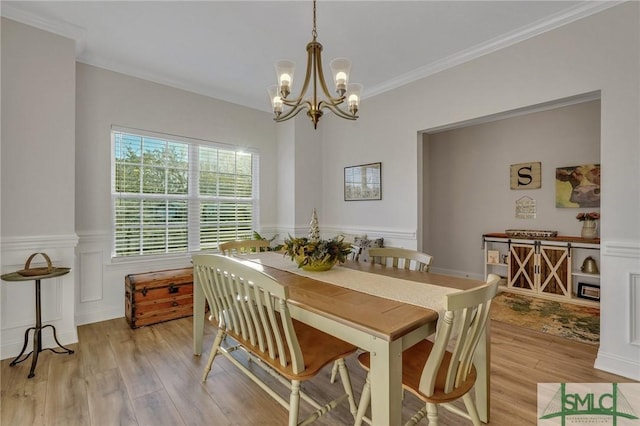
[314, 32]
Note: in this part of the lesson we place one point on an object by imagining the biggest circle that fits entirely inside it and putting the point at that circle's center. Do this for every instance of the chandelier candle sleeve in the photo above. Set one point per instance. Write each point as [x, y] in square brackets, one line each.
[314, 77]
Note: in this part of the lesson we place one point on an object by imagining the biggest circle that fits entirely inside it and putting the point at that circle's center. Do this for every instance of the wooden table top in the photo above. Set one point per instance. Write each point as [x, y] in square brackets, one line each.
[384, 318]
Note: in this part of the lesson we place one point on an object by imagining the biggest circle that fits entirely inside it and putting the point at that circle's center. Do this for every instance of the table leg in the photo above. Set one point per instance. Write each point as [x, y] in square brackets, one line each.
[37, 338]
[198, 316]
[386, 382]
[17, 359]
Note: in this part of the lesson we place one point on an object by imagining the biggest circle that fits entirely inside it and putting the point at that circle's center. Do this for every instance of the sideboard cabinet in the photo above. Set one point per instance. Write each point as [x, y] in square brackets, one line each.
[549, 268]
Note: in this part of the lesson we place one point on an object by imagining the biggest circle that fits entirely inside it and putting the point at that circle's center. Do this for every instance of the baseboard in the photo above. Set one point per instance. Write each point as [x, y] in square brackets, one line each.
[616, 365]
[456, 273]
[104, 315]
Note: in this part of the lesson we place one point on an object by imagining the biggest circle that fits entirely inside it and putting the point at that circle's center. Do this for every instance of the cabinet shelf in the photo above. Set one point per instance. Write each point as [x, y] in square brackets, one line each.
[584, 274]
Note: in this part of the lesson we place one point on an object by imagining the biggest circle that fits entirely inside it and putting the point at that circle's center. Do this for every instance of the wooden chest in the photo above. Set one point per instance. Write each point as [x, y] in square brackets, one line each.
[159, 296]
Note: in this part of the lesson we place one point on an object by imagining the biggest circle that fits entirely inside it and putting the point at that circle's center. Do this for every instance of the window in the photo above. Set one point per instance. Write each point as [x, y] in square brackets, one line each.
[177, 195]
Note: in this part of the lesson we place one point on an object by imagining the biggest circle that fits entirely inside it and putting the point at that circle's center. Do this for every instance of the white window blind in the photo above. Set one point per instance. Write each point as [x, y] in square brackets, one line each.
[176, 195]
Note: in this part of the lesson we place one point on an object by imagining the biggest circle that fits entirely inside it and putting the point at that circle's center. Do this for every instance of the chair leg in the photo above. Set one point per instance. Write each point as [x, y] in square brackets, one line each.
[471, 409]
[365, 399]
[346, 384]
[415, 419]
[432, 414]
[334, 372]
[214, 351]
[294, 402]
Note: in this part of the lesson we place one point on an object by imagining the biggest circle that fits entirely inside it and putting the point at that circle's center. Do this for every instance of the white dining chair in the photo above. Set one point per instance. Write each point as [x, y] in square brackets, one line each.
[243, 246]
[400, 258]
[439, 376]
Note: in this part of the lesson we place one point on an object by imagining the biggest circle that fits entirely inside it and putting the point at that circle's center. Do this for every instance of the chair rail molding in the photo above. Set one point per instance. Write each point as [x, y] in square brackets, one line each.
[39, 242]
[620, 249]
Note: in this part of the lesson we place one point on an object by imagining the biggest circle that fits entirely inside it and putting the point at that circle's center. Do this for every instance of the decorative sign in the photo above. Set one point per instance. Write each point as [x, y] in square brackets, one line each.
[526, 208]
[526, 176]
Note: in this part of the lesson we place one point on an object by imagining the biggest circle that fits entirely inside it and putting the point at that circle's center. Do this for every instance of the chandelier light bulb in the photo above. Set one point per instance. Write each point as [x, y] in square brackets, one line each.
[285, 80]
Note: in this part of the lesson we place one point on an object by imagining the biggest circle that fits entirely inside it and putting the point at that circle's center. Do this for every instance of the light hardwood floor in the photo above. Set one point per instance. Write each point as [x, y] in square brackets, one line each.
[148, 376]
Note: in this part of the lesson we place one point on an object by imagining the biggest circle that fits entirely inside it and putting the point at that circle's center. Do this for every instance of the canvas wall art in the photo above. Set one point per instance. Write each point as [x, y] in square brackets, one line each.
[578, 186]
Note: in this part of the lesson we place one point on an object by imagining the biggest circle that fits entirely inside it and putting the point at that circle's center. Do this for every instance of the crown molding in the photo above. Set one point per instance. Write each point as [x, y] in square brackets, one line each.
[544, 25]
[61, 28]
[78, 34]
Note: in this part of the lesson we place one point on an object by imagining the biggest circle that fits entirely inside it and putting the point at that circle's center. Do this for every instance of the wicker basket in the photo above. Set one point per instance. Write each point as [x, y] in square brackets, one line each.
[32, 272]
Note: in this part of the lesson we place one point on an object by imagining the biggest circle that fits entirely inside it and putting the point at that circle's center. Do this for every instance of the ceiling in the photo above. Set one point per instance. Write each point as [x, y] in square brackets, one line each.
[227, 49]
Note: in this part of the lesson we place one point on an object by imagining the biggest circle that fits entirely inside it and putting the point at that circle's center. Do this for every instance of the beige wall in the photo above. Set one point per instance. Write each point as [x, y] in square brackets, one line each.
[469, 189]
[38, 178]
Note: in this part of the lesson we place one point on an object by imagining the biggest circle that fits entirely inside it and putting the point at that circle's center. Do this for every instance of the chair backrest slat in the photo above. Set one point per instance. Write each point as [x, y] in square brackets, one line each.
[461, 327]
[243, 246]
[401, 258]
[251, 305]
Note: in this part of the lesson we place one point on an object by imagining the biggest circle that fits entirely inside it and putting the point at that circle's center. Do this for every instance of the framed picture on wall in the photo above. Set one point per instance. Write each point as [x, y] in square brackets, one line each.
[363, 182]
[578, 186]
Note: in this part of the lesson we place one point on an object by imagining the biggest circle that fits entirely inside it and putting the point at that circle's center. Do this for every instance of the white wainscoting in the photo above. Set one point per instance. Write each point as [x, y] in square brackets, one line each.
[100, 281]
[18, 297]
[634, 308]
[620, 322]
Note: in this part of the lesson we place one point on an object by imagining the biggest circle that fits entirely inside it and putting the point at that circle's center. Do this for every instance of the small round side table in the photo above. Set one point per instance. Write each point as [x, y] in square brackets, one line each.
[37, 334]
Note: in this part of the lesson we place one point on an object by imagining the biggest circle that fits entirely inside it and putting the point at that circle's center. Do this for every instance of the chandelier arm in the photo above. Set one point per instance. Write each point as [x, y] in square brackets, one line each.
[307, 78]
[294, 111]
[323, 83]
[334, 101]
[337, 111]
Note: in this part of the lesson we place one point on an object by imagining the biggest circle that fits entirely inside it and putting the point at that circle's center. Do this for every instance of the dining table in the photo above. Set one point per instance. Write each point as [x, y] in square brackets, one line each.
[380, 309]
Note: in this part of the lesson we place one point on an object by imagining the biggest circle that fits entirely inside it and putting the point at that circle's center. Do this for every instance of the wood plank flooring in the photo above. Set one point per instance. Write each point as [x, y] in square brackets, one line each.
[148, 376]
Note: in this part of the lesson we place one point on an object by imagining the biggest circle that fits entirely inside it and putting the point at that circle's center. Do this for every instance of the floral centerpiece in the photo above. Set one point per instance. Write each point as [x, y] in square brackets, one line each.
[318, 255]
[589, 226]
[312, 253]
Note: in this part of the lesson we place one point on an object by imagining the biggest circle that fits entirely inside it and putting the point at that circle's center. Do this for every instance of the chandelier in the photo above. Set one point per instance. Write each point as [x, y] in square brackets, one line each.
[340, 67]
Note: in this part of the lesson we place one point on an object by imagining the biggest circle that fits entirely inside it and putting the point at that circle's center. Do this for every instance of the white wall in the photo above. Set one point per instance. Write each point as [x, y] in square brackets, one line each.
[38, 174]
[106, 98]
[469, 175]
[598, 53]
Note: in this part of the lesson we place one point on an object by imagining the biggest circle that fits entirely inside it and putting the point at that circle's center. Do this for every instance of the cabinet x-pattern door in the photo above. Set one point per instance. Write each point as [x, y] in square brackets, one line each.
[540, 268]
[555, 276]
[522, 266]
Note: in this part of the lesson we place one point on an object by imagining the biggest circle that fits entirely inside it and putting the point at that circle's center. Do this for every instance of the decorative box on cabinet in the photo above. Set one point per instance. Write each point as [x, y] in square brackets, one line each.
[543, 267]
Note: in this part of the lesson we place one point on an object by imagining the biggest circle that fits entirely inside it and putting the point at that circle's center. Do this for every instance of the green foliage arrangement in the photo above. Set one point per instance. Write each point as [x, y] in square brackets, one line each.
[257, 236]
[316, 254]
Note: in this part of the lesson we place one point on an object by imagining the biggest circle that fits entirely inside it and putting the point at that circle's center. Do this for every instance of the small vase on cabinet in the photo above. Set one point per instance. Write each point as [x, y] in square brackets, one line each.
[589, 229]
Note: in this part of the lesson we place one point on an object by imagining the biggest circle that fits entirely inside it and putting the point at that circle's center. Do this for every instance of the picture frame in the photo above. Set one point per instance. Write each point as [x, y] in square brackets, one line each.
[589, 291]
[363, 182]
[493, 256]
[578, 186]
